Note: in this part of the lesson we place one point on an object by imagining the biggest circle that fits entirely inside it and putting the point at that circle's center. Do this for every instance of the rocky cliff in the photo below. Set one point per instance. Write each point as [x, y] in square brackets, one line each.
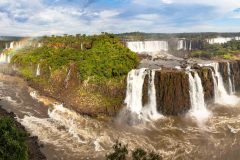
[172, 92]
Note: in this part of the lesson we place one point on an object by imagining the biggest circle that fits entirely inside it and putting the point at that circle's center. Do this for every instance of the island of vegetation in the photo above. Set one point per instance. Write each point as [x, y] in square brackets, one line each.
[87, 73]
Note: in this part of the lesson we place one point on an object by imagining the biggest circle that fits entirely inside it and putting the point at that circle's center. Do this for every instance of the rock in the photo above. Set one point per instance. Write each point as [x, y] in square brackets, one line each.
[196, 66]
[145, 90]
[184, 65]
[172, 92]
[205, 74]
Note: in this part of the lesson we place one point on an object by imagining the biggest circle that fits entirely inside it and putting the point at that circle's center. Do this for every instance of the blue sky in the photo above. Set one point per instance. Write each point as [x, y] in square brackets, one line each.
[41, 17]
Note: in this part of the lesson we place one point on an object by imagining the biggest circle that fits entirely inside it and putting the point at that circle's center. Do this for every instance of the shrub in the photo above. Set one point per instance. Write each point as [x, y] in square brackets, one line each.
[12, 141]
[120, 152]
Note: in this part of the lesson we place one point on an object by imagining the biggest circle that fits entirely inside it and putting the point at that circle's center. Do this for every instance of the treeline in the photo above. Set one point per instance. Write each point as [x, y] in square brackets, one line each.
[131, 36]
[120, 152]
[229, 50]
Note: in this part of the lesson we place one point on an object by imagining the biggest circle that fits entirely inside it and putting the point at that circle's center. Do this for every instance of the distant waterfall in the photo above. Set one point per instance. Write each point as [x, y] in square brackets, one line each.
[182, 44]
[231, 85]
[38, 72]
[11, 45]
[221, 40]
[4, 58]
[198, 106]
[148, 46]
[220, 93]
[134, 94]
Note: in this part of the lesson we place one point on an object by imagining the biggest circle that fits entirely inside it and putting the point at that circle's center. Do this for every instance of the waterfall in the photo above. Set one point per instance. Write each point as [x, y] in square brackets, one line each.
[185, 47]
[11, 45]
[190, 47]
[198, 106]
[6, 46]
[148, 46]
[231, 86]
[135, 82]
[38, 72]
[220, 40]
[4, 58]
[220, 93]
[150, 110]
[134, 94]
[81, 46]
[180, 44]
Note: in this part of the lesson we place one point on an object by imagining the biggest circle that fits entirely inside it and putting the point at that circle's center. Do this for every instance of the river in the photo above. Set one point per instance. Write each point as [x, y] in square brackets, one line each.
[67, 135]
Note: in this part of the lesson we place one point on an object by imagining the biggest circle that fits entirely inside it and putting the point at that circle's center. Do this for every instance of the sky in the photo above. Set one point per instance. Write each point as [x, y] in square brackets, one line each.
[47, 17]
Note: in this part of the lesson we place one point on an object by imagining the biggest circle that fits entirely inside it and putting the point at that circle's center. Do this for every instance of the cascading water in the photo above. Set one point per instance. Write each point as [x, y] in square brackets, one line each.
[148, 46]
[11, 45]
[134, 90]
[221, 40]
[134, 94]
[231, 86]
[183, 45]
[4, 58]
[38, 72]
[220, 93]
[180, 44]
[150, 110]
[198, 106]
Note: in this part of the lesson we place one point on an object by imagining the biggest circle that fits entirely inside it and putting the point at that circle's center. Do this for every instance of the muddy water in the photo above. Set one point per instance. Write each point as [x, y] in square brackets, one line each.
[67, 135]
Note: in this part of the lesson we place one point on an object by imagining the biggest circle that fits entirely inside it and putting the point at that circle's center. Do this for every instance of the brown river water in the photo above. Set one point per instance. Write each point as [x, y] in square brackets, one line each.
[67, 135]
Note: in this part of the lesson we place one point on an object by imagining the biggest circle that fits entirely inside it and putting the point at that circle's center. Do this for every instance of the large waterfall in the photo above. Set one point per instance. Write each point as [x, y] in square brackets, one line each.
[221, 40]
[134, 94]
[198, 106]
[148, 46]
[220, 92]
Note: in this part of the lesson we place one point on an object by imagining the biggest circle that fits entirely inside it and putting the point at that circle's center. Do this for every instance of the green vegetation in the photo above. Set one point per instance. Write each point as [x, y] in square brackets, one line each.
[229, 50]
[120, 152]
[99, 65]
[12, 141]
[101, 57]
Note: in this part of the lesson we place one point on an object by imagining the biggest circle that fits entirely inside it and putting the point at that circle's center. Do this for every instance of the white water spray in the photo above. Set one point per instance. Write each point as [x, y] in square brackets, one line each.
[198, 106]
[134, 94]
[148, 46]
[220, 93]
[38, 72]
[231, 86]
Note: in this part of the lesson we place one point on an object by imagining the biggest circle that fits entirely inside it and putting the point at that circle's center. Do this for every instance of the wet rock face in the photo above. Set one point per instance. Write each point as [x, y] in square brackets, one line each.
[208, 85]
[223, 68]
[172, 92]
[145, 90]
[235, 68]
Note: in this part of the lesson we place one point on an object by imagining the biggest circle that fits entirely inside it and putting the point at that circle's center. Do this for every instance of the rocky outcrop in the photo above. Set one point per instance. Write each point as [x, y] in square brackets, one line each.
[145, 90]
[172, 92]
[235, 68]
[205, 74]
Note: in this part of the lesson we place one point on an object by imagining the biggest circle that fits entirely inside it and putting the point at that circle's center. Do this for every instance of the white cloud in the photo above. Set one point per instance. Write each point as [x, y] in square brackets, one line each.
[23, 17]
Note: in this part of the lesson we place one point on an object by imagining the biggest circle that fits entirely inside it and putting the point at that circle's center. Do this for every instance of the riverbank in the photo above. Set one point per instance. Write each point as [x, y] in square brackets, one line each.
[34, 152]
